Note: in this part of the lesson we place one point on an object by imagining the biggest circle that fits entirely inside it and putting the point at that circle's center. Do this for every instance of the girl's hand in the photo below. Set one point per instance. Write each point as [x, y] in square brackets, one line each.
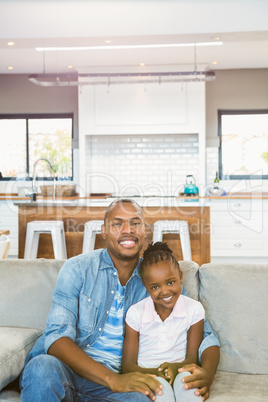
[168, 371]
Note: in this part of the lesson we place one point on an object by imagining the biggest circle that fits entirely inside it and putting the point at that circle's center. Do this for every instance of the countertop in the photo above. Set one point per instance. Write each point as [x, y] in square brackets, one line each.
[104, 202]
[147, 201]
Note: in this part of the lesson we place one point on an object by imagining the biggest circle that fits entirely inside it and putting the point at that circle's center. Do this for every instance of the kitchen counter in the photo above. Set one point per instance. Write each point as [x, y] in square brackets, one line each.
[146, 200]
[75, 213]
[88, 202]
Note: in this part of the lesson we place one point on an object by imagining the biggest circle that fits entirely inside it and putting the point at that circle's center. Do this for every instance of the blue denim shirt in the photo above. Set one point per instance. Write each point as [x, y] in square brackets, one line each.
[82, 299]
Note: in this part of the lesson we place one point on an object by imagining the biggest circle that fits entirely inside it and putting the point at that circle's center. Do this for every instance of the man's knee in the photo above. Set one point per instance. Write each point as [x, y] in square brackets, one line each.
[42, 367]
[41, 372]
[47, 377]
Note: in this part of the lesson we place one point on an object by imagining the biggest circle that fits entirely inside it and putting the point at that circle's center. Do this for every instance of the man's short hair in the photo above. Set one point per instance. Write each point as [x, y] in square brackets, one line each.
[121, 201]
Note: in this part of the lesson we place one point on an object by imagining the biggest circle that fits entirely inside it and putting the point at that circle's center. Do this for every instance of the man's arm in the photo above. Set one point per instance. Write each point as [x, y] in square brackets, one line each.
[202, 377]
[209, 356]
[74, 357]
[61, 331]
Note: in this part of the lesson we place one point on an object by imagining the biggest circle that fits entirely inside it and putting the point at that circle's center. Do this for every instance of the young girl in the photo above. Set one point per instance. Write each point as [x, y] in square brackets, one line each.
[163, 332]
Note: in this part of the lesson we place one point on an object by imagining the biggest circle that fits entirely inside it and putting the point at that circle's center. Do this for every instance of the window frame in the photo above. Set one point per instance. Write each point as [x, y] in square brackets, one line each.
[222, 112]
[32, 116]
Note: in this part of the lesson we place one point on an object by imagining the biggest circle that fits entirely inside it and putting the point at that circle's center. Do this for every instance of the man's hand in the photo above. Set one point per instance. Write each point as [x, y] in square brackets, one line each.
[200, 378]
[137, 382]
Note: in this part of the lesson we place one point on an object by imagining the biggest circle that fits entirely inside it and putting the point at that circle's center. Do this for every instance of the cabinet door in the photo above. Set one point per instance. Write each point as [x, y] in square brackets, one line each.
[239, 228]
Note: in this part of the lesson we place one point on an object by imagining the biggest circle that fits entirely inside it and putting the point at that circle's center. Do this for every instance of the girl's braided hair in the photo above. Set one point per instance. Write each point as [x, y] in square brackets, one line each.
[155, 253]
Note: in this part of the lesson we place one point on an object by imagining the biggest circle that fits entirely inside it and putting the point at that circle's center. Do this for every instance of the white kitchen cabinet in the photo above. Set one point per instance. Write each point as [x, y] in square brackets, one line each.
[9, 221]
[133, 109]
[239, 230]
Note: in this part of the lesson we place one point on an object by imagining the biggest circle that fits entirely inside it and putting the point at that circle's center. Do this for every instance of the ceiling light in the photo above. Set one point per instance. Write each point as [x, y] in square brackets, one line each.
[214, 62]
[70, 66]
[10, 43]
[142, 64]
[108, 41]
[65, 80]
[216, 38]
[119, 47]
[10, 68]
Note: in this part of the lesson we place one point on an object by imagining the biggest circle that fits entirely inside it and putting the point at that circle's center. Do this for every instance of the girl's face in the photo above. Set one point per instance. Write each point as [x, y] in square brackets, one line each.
[163, 283]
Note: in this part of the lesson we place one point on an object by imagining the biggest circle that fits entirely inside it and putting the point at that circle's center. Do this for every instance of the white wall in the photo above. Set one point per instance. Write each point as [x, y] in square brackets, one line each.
[141, 164]
[18, 95]
[140, 110]
[233, 89]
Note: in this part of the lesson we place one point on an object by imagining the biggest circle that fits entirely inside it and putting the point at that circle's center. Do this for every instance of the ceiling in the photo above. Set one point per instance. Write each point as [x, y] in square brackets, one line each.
[242, 26]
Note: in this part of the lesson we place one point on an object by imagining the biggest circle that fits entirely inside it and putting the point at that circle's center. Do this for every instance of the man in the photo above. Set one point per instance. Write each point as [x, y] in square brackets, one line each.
[79, 355]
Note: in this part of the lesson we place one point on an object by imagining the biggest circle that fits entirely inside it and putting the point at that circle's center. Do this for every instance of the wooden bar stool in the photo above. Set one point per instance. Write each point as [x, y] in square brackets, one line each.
[91, 229]
[4, 246]
[181, 227]
[35, 228]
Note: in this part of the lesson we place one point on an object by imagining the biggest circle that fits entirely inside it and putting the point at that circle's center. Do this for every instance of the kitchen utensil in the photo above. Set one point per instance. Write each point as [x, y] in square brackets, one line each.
[190, 187]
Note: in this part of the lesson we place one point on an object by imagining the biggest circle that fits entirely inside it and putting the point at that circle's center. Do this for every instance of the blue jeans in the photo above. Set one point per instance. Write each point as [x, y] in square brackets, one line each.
[46, 378]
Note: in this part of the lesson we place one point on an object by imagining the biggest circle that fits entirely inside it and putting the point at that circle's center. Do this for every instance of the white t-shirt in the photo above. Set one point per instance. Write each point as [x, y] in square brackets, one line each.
[163, 341]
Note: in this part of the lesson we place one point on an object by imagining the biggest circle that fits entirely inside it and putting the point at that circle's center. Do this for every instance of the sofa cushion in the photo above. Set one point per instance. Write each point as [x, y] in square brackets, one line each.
[26, 288]
[236, 303]
[234, 387]
[15, 344]
[190, 278]
[10, 396]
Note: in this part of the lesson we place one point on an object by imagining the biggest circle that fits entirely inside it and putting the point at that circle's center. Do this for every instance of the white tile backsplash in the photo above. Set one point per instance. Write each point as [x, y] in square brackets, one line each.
[137, 164]
[212, 164]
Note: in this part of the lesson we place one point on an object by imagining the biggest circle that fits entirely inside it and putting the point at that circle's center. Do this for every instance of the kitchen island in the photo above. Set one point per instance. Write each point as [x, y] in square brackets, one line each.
[75, 213]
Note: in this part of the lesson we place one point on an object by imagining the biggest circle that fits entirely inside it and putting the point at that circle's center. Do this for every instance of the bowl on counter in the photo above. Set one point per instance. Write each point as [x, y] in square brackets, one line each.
[61, 190]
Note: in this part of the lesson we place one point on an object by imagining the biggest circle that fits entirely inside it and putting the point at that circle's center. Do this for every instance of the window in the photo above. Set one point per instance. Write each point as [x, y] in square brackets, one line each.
[243, 150]
[26, 138]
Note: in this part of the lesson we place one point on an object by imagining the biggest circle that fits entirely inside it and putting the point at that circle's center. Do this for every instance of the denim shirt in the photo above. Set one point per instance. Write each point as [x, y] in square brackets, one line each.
[82, 299]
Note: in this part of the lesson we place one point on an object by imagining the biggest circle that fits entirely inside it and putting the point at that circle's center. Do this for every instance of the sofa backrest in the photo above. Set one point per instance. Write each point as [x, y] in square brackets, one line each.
[235, 297]
[190, 277]
[26, 287]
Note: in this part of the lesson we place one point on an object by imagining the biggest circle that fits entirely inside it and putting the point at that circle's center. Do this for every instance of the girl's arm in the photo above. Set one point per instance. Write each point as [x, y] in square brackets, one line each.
[194, 339]
[130, 353]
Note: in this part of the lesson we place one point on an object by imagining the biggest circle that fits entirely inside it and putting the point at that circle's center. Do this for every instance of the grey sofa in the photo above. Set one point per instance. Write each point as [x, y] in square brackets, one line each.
[235, 298]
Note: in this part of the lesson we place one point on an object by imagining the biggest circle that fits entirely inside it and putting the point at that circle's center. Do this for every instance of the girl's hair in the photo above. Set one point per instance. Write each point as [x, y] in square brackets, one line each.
[155, 253]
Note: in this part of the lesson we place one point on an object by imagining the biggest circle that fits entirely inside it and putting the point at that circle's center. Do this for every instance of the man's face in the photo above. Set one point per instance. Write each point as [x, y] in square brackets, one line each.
[124, 230]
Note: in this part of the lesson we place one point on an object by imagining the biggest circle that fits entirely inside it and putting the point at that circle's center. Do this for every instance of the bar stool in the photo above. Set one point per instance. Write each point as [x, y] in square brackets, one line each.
[4, 246]
[91, 229]
[35, 228]
[181, 227]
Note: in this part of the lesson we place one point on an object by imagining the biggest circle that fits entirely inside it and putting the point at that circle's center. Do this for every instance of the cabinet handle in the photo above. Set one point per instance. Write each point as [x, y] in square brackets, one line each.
[237, 244]
[237, 205]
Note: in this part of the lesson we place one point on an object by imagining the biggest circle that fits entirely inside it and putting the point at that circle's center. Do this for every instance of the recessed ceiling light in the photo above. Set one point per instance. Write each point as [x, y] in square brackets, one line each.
[108, 41]
[10, 43]
[160, 45]
[216, 38]
[70, 66]
[142, 64]
[10, 68]
[215, 62]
